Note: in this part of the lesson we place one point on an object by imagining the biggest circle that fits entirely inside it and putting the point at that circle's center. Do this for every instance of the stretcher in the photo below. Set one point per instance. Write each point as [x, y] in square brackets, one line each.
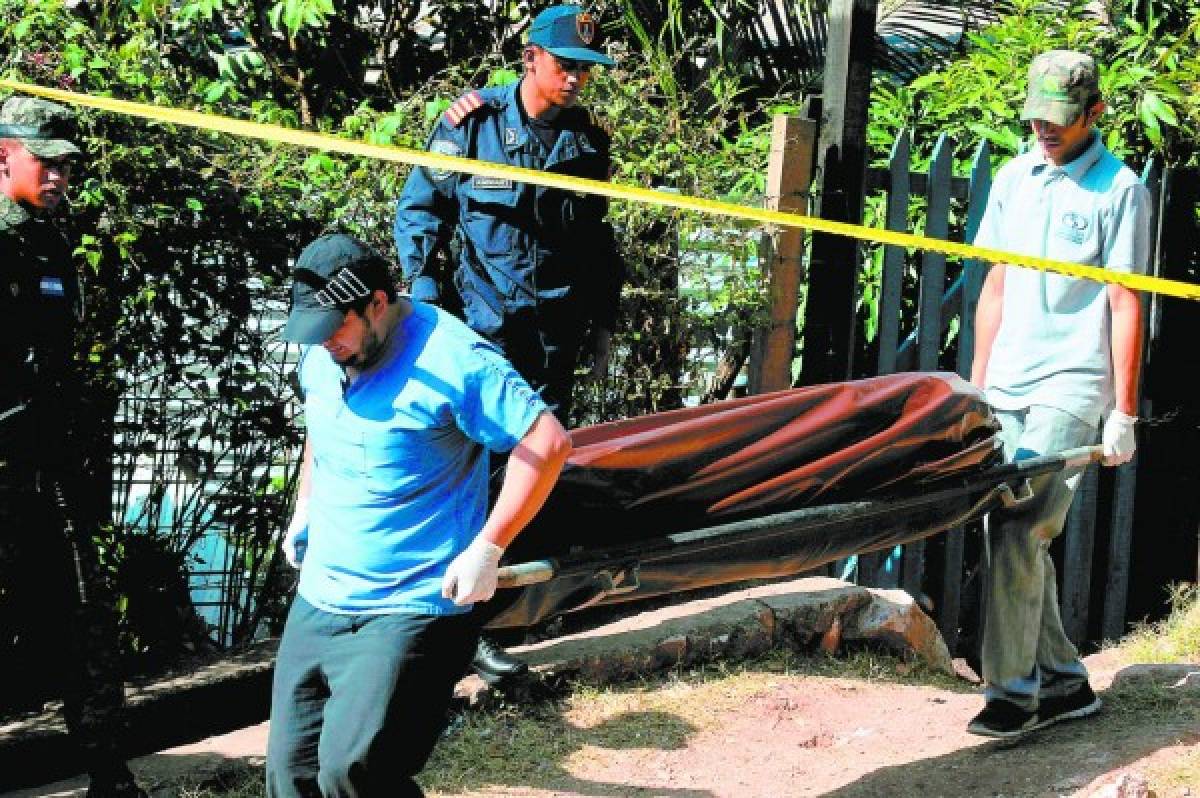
[763, 487]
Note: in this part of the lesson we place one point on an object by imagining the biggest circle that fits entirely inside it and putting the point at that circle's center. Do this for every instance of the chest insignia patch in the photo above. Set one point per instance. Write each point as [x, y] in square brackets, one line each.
[493, 183]
[52, 286]
[1073, 227]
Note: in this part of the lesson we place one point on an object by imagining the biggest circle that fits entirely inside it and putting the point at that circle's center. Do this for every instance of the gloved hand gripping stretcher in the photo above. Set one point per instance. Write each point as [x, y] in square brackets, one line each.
[762, 487]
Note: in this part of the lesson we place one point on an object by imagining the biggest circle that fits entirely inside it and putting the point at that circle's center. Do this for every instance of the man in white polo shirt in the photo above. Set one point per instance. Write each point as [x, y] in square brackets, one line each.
[1059, 359]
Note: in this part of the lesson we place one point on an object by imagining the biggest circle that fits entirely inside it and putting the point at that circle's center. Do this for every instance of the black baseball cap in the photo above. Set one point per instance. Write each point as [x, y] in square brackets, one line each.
[330, 276]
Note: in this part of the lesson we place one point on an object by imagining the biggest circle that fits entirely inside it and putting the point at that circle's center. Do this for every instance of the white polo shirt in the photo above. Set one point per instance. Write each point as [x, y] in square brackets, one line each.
[1054, 342]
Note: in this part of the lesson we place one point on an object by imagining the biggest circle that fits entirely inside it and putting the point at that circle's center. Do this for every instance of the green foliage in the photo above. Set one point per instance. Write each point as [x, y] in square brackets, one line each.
[1148, 75]
[1149, 72]
[185, 237]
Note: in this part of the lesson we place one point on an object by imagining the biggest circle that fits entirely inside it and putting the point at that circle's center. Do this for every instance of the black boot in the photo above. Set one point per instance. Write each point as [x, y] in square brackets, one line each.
[495, 665]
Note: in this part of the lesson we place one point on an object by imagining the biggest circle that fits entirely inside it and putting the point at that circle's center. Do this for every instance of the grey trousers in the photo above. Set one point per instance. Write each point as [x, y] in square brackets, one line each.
[1026, 653]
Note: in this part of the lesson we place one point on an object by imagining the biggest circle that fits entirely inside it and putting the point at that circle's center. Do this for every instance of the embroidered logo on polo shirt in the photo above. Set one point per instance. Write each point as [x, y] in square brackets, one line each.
[1073, 227]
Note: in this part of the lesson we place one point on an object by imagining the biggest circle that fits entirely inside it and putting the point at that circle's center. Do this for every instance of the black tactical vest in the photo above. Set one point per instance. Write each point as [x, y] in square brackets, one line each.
[40, 306]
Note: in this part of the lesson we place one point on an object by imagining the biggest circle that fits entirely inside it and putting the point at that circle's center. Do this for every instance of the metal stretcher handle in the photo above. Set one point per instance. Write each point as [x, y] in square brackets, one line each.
[526, 573]
[538, 571]
[1061, 461]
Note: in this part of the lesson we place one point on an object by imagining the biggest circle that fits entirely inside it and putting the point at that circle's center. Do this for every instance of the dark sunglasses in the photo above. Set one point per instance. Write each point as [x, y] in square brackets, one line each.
[571, 65]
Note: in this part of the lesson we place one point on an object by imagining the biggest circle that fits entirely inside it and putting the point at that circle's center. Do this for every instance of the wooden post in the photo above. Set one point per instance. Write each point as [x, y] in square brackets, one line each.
[833, 276]
[1078, 545]
[974, 271]
[1120, 541]
[929, 327]
[891, 287]
[789, 174]
[933, 264]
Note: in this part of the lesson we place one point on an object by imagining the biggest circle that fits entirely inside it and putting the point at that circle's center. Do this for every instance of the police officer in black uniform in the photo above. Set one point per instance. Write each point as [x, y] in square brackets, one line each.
[534, 269]
[56, 622]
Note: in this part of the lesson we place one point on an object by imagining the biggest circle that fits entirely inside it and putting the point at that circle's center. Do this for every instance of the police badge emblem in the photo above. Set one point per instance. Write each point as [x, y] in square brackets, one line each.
[443, 147]
[585, 26]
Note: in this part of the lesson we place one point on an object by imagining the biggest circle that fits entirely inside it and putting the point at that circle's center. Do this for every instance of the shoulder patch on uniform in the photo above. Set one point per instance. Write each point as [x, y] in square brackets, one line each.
[463, 107]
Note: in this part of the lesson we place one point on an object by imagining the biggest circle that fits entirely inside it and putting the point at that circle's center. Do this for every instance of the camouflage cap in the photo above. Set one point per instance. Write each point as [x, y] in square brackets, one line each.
[1061, 84]
[45, 128]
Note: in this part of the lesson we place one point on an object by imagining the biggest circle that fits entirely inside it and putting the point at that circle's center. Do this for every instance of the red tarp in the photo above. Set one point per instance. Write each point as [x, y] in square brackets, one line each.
[763, 454]
[809, 476]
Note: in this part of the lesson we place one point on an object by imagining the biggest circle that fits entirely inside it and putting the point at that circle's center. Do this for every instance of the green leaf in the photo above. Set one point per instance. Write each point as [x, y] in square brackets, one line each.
[1153, 105]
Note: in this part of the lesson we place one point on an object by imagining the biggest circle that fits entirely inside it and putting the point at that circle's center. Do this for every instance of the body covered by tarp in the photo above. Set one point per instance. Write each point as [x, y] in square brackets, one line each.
[631, 483]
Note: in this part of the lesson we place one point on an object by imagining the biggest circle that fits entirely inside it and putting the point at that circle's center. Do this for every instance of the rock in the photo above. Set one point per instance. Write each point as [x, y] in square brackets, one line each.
[1177, 675]
[1190, 682]
[804, 613]
[832, 638]
[894, 620]
[1129, 784]
[964, 671]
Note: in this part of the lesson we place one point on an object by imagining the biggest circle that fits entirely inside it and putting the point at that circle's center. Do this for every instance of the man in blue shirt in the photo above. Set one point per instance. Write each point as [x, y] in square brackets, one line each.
[1059, 358]
[391, 531]
[535, 269]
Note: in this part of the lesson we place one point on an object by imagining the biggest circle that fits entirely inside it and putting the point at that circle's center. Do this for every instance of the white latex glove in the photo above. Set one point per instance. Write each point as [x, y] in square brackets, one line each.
[471, 576]
[1118, 439]
[295, 540]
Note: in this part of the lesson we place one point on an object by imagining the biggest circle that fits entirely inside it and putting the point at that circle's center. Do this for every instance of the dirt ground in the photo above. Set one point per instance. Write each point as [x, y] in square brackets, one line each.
[760, 733]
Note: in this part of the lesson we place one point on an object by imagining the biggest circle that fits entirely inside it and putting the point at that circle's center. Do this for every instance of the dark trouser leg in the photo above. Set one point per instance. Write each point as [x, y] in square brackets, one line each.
[67, 637]
[371, 695]
[298, 695]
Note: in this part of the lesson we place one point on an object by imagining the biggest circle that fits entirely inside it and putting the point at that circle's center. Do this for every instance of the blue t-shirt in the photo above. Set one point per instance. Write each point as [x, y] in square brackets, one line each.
[400, 469]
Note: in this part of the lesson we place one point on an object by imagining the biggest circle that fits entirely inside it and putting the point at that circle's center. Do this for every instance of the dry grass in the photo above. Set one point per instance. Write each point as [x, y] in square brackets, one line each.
[1176, 639]
[544, 743]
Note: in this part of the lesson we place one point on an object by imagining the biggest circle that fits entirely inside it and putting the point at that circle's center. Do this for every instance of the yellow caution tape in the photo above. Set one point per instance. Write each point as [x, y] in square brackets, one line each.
[430, 160]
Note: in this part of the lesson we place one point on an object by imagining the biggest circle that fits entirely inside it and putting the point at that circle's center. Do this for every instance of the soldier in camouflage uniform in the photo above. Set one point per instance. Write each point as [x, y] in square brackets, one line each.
[56, 620]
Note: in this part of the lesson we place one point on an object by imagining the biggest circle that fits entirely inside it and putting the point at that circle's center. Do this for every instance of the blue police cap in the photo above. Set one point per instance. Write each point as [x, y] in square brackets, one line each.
[567, 32]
